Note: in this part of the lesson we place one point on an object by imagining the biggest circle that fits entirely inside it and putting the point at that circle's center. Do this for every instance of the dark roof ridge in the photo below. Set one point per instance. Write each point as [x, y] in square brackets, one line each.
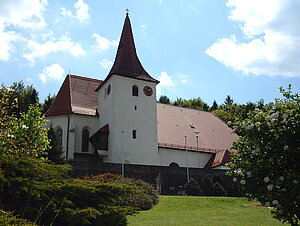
[85, 78]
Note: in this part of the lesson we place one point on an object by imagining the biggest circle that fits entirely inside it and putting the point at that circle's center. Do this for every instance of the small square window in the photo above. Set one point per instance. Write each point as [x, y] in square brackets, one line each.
[134, 134]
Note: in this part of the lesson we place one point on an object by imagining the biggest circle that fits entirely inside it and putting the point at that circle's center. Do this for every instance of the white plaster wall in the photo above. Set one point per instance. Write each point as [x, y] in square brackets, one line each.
[117, 109]
[221, 168]
[79, 122]
[76, 124]
[167, 156]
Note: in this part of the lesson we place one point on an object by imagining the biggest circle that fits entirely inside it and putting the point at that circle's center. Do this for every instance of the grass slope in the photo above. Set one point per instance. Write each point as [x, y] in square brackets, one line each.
[188, 210]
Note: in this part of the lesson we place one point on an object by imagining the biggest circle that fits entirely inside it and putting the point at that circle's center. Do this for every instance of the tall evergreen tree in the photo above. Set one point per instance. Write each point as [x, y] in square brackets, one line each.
[54, 154]
[164, 100]
[214, 106]
[228, 101]
[47, 103]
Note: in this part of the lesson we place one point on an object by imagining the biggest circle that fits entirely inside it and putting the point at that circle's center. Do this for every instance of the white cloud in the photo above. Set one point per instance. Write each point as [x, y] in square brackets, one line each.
[53, 72]
[25, 14]
[144, 29]
[29, 80]
[166, 82]
[66, 13]
[38, 50]
[103, 43]
[22, 13]
[107, 64]
[254, 14]
[6, 39]
[183, 78]
[272, 37]
[81, 11]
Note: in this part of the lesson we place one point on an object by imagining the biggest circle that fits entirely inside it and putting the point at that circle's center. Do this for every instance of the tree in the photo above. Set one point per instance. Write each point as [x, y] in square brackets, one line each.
[23, 136]
[214, 106]
[6, 120]
[192, 188]
[164, 100]
[194, 103]
[47, 103]
[54, 153]
[228, 101]
[219, 190]
[25, 96]
[268, 161]
[207, 185]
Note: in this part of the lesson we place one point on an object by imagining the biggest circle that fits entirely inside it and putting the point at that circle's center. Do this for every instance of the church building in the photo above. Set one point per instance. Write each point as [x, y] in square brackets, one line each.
[118, 123]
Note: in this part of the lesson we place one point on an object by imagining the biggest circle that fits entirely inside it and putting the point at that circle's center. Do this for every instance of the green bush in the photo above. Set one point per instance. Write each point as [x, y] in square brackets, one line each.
[143, 197]
[92, 203]
[7, 218]
[217, 185]
[207, 185]
[219, 190]
[192, 188]
[34, 169]
[41, 192]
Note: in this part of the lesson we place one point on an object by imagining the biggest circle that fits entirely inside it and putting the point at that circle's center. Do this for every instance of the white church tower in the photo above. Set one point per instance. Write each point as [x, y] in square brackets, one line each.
[127, 109]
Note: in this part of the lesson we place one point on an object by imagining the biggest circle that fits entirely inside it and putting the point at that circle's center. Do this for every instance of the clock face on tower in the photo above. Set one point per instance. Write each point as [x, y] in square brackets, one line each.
[148, 90]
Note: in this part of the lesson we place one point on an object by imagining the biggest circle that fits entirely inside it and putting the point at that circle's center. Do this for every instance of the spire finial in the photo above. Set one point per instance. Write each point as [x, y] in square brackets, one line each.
[127, 11]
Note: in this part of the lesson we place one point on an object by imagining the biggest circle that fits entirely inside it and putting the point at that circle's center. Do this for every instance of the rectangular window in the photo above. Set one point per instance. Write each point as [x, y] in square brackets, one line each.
[134, 134]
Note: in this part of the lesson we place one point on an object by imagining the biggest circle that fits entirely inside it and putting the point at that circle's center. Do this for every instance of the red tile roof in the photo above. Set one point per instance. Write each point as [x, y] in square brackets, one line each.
[220, 158]
[176, 122]
[127, 63]
[77, 95]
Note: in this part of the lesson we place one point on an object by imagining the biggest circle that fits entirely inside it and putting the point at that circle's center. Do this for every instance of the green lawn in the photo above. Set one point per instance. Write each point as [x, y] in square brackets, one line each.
[187, 210]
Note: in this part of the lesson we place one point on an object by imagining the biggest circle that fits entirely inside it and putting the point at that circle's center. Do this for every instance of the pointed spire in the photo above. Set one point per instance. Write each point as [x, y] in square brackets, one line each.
[127, 62]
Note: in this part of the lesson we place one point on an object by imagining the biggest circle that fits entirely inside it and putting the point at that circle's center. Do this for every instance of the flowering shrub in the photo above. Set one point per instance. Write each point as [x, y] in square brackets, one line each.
[23, 136]
[268, 161]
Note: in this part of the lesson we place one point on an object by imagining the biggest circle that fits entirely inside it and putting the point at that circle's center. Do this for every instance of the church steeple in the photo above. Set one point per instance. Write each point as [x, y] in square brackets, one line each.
[127, 62]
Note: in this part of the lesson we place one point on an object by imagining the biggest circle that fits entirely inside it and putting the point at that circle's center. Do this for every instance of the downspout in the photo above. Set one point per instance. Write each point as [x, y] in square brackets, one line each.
[68, 131]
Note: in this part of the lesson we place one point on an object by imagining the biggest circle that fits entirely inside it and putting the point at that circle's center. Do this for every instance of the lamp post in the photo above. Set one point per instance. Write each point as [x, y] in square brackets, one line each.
[187, 160]
[197, 134]
[123, 173]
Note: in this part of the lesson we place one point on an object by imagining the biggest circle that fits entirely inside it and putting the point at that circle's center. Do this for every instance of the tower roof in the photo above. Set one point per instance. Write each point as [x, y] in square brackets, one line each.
[127, 63]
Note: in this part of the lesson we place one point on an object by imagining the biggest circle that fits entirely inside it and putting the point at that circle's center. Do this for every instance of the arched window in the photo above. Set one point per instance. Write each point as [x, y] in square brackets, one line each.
[59, 135]
[135, 91]
[174, 165]
[85, 140]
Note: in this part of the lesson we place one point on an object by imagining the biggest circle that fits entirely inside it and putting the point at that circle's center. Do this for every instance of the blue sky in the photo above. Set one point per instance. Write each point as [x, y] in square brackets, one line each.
[197, 48]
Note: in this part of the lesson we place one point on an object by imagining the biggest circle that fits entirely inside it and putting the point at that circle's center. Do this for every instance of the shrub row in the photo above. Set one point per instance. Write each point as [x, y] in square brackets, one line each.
[143, 197]
[40, 191]
[212, 185]
[7, 218]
